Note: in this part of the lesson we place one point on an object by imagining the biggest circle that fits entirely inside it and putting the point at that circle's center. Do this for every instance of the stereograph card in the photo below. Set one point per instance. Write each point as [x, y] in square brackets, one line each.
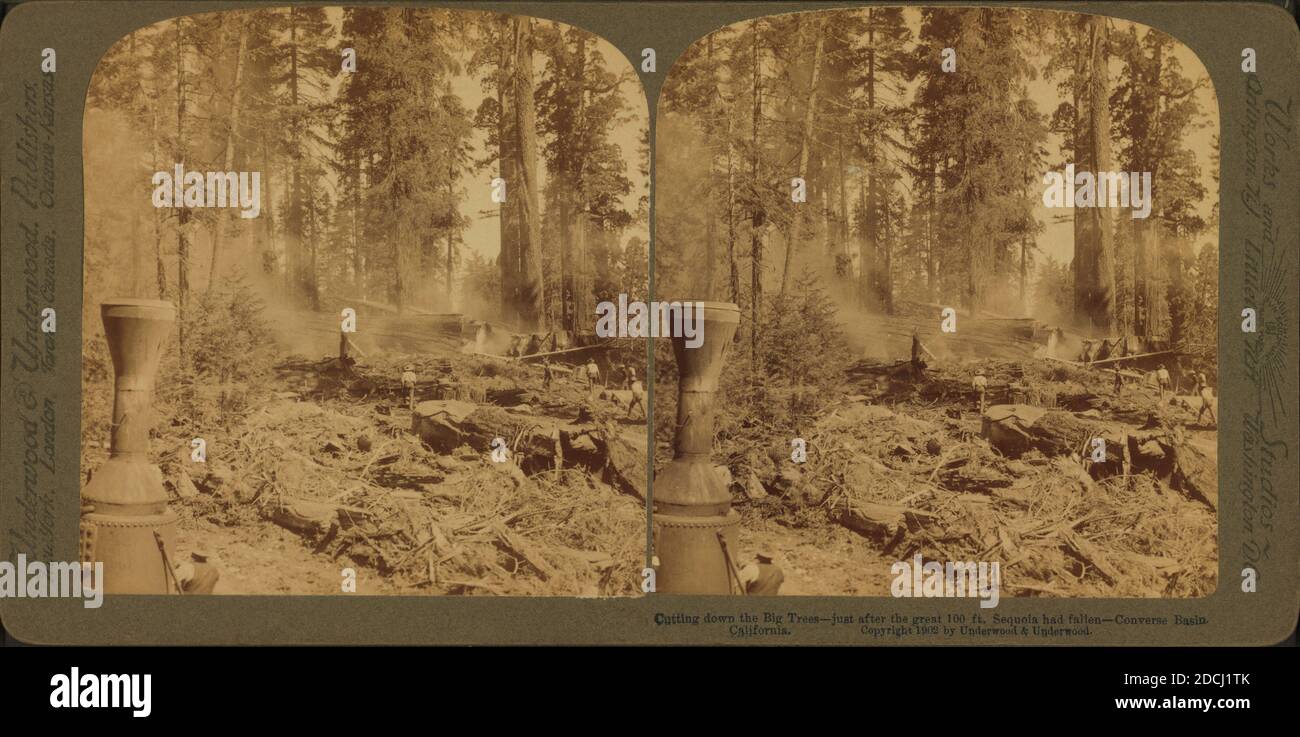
[649, 323]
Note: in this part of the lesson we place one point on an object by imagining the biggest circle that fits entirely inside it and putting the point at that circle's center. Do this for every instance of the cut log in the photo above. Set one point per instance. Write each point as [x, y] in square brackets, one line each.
[883, 524]
[446, 424]
[1165, 454]
[873, 368]
[963, 475]
[511, 396]
[303, 516]
[1196, 476]
[619, 463]
[1015, 429]
[536, 443]
[1137, 357]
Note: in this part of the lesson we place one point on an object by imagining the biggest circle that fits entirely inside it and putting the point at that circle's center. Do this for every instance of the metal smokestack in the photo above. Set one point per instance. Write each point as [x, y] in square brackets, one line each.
[694, 524]
[129, 527]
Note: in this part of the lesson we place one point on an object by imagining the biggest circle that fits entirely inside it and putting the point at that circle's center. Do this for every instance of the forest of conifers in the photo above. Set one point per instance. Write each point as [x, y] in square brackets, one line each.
[372, 179]
[925, 184]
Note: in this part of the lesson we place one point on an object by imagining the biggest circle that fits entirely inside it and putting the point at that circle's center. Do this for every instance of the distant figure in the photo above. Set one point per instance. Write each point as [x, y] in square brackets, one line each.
[547, 374]
[408, 383]
[593, 374]
[981, 385]
[629, 376]
[762, 577]
[346, 361]
[638, 399]
[1055, 342]
[1162, 381]
[1203, 389]
[918, 364]
[1119, 383]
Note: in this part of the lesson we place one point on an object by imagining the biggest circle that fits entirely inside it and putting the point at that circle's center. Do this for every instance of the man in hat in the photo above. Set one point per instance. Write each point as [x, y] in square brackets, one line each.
[762, 577]
[197, 576]
[547, 374]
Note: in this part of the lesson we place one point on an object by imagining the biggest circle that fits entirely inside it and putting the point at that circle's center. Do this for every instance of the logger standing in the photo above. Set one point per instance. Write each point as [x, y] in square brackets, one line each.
[638, 399]
[593, 374]
[1162, 381]
[408, 383]
[981, 384]
[1203, 389]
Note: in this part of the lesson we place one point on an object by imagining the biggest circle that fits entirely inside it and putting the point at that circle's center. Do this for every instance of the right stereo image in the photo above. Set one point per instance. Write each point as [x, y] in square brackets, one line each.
[955, 273]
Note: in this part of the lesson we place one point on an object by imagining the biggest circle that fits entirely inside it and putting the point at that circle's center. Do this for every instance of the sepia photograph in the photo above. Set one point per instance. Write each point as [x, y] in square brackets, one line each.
[341, 267]
[960, 271]
[365, 326]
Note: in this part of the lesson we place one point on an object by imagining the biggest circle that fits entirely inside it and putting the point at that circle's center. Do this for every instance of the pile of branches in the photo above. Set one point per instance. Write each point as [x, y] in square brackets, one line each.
[356, 485]
[929, 483]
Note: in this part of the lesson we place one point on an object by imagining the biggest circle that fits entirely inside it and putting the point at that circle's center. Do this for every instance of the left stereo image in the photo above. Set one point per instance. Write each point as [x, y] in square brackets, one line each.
[340, 270]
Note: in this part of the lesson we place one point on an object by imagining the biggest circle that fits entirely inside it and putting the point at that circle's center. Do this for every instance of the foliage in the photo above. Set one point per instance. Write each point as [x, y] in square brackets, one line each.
[227, 338]
[806, 357]
[923, 185]
[1053, 298]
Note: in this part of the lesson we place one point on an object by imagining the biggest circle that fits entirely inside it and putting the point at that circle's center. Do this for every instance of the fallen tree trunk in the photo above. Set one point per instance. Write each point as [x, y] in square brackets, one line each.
[1165, 454]
[536, 443]
[619, 463]
[1161, 451]
[447, 424]
[883, 524]
[1015, 429]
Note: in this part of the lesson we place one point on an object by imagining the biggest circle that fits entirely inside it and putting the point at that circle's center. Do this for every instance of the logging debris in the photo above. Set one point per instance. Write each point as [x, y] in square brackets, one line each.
[331, 452]
[912, 467]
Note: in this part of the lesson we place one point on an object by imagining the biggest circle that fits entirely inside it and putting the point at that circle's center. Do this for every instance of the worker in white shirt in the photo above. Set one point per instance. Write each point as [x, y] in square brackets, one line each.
[981, 385]
[593, 374]
[1162, 381]
[1203, 389]
[408, 383]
